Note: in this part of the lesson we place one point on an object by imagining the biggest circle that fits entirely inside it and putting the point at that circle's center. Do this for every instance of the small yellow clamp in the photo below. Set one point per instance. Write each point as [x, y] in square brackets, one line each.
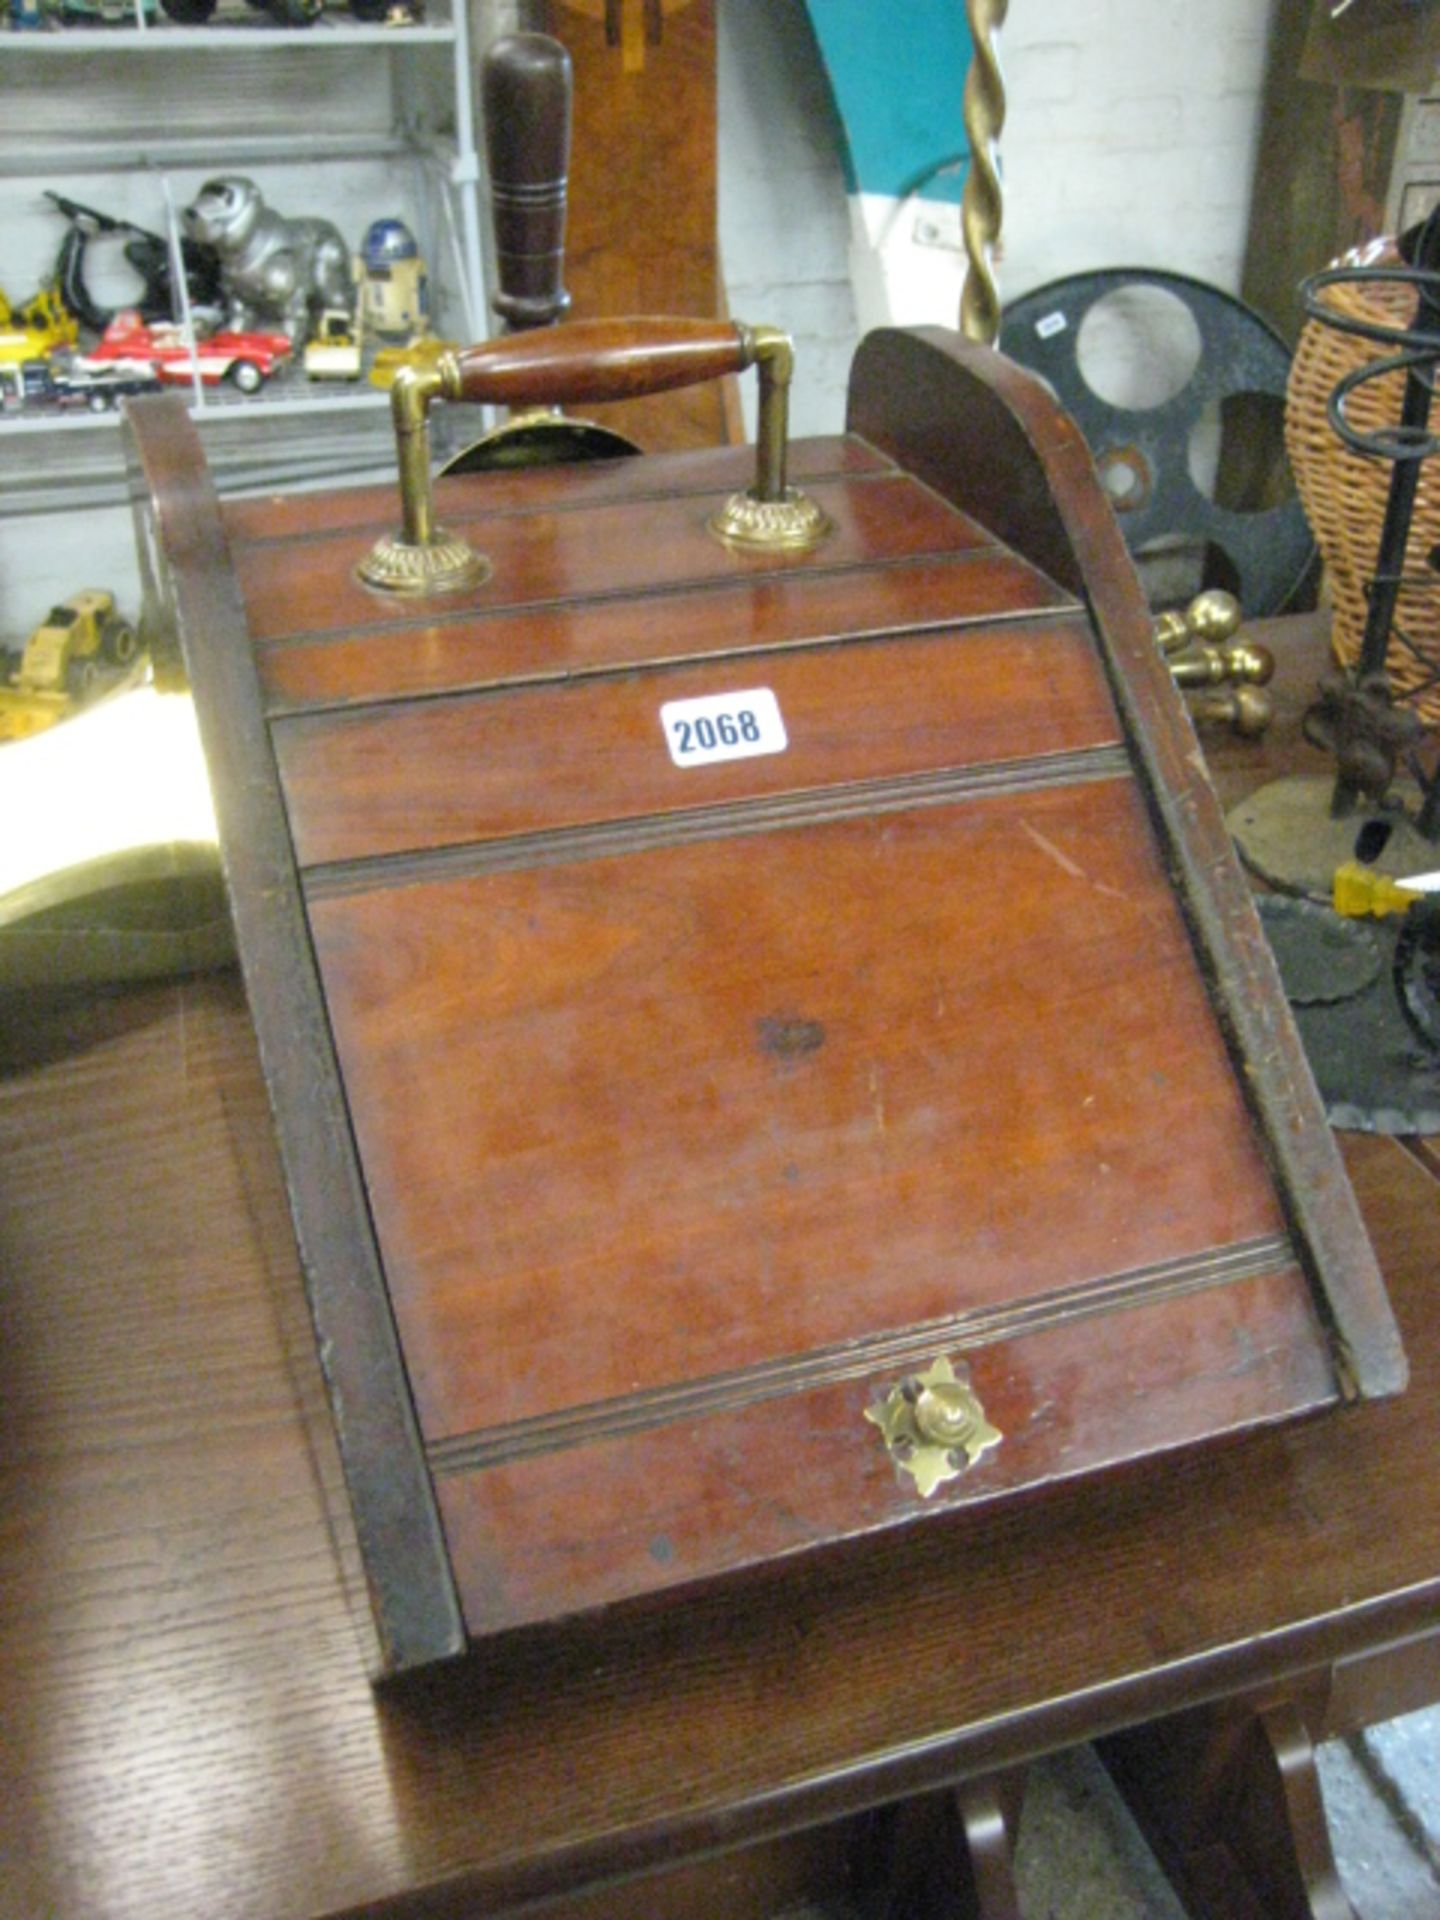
[1360, 891]
[934, 1425]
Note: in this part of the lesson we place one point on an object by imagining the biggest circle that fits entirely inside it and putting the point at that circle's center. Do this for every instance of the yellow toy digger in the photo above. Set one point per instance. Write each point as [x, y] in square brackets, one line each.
[37, 328]
[81, 647]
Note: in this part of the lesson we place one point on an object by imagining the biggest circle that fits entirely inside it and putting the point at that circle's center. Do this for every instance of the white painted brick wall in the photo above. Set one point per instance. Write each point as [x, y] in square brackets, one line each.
[783, 218]
[1129, 141]
[1130, 136]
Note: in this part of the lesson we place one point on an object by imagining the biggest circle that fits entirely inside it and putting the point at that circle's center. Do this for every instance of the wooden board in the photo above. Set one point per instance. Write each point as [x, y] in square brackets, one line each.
[641, 232]
[648, 1122]
[1322, 170]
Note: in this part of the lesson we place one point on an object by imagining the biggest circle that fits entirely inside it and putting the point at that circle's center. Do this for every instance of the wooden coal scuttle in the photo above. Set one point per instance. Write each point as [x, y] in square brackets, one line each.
[768, 1039]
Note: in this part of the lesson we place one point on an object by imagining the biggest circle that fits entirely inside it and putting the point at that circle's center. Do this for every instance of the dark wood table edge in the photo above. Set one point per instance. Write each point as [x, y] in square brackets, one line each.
[1264, 1669]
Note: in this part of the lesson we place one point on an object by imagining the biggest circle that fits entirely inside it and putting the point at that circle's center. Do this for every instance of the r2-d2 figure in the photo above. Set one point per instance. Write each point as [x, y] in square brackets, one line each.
[394, 284]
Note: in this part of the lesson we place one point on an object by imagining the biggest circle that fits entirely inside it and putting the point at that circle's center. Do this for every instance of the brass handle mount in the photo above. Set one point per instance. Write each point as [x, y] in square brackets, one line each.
[590, 361]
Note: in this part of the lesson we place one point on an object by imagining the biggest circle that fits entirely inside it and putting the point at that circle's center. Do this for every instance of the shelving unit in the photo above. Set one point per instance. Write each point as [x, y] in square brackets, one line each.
[342, 119]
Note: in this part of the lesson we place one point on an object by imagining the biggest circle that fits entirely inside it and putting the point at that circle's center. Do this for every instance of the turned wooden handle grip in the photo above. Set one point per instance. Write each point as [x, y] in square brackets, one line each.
[594, 360]
[526, 89]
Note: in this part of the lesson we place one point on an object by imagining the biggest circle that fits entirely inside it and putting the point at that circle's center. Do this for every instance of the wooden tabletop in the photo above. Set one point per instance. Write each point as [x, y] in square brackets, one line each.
[188, 1726]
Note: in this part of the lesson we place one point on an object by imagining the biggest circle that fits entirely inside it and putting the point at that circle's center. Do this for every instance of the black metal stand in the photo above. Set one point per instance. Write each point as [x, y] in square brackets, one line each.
[1357, 716]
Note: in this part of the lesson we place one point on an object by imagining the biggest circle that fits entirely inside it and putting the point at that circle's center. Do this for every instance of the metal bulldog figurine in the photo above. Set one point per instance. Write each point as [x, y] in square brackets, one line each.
[273, 271]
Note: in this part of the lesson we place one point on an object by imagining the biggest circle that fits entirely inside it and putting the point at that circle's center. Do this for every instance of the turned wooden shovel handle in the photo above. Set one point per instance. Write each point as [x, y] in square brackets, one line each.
[526, 87]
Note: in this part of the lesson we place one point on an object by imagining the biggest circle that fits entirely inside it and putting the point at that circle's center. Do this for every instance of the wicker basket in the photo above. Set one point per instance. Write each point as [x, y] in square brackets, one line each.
[1344, 495]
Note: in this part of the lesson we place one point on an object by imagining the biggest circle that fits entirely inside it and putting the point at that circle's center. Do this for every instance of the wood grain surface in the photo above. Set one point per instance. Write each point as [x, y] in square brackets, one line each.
[735, 1485]
[189, 1726]
[531, 489]
[600, 360]
[309, 587]
[432, 653]
[444, 772]
[642, 224]
[556, 1757]
[992, 438]
[578, 1237]
[189, 592]
[669, 1094]
[587, 1221]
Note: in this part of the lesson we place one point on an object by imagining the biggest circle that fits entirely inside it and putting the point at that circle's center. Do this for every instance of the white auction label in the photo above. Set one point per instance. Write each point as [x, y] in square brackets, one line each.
[723, 726]
[1052, 324]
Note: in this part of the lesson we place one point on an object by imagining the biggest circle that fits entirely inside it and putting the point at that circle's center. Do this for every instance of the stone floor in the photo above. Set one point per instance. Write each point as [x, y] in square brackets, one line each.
[1079, 1856]
[1382, 1796]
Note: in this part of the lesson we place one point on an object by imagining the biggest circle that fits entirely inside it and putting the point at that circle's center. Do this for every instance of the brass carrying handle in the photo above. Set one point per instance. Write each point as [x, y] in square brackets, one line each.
[590, 361]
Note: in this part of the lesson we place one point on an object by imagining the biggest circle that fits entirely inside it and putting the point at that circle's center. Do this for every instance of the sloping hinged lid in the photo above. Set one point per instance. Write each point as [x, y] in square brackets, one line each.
[711, 1000]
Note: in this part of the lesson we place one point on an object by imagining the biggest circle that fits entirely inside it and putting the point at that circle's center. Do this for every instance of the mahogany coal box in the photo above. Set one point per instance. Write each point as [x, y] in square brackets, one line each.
[768, 1039]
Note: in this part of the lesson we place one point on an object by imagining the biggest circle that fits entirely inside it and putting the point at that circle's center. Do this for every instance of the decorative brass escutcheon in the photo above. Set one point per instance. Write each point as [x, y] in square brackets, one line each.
[934, 1425]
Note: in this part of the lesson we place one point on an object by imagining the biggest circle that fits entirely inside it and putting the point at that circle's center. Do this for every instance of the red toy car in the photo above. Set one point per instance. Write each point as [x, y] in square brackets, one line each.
[246, 360]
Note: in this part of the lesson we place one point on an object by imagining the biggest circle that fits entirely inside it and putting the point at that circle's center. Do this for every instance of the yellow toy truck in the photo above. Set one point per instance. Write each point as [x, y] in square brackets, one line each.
[334, 349]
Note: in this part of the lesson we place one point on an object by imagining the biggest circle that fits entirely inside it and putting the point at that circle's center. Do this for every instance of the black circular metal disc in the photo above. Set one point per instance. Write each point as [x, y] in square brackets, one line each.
[1268, 550]
[1373, 1073]
[1322, 957]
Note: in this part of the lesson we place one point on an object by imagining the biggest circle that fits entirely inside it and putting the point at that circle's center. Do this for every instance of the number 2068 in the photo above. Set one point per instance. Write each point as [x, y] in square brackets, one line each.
[725, 730]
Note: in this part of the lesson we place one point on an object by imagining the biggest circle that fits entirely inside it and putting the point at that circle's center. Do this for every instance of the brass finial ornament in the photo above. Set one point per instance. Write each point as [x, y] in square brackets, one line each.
[934, 1425]
[1210, 658]
[981, 206]
[1214, 615]
[1211, 618]
[590, 360]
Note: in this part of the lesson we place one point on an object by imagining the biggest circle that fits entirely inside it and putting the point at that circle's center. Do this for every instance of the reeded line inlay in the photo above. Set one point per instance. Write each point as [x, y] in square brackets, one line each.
[383, 522]
[434, 615]
[283, 708]
[859, 1359]
[768, 814]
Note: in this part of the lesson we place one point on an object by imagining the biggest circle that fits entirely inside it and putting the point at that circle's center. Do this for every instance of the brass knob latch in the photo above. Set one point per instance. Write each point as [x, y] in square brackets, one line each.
[934, 1425]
